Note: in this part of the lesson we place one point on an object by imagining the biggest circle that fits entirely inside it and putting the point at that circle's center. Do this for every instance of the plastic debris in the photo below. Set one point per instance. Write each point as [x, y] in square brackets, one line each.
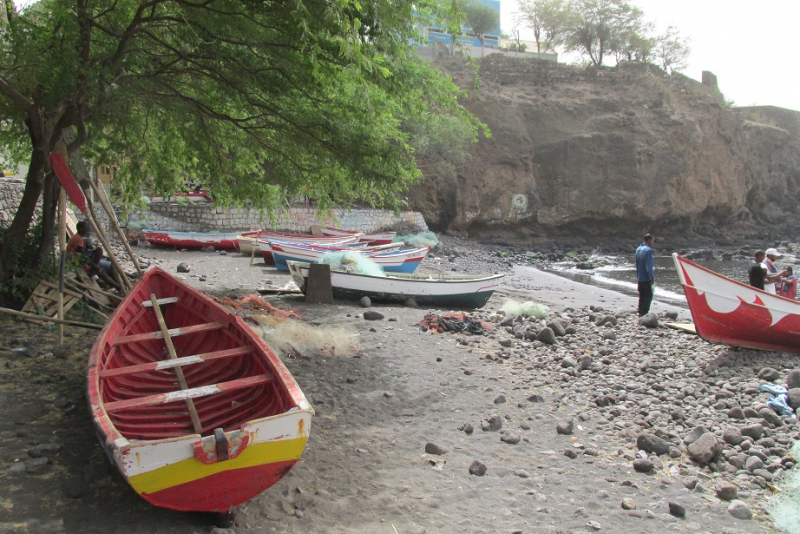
[455, 322]
[779, 401]
[527, 308]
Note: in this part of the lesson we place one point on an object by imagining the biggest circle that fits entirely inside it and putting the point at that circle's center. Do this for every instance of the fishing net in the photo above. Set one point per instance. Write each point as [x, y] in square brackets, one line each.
[301, 340]
[352, 262]
[785, 506]
[424, 239]
[527, 308]
[455, 322]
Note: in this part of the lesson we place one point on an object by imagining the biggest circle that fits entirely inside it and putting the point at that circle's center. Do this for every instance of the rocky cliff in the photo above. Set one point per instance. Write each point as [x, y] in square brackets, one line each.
[614, 151]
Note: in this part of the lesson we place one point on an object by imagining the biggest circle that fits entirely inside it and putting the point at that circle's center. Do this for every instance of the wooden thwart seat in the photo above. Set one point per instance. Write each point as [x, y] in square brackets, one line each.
[173, 332]
[182, 361]
[166, 300]
[186, 394]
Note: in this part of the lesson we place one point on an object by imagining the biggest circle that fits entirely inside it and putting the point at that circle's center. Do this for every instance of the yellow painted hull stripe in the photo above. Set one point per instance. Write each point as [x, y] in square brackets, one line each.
[193, 469]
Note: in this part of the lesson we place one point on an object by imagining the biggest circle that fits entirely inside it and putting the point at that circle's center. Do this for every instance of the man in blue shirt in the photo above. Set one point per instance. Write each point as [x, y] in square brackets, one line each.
[645, 274]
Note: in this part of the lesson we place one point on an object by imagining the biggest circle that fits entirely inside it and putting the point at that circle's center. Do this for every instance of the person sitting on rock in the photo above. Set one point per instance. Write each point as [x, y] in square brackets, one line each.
[81, 248]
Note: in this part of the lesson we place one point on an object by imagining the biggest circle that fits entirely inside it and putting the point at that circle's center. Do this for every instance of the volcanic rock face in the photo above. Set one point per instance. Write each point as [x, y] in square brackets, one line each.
[612, 151]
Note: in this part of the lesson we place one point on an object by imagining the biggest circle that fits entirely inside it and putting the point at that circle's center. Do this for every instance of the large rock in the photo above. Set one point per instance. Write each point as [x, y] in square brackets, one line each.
[705, 448]
[652, 444]
[793, 379]
[639, 146]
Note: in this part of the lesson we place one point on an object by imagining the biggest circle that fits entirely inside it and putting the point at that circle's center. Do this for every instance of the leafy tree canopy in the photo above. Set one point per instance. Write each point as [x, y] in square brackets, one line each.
[257, 99]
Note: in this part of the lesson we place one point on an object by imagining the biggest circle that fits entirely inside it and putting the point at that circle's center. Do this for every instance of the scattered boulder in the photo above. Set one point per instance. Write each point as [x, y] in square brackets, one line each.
[694, 435]
[183, 267]
[547, 336]
[372, 315]
[769, 374]
[740, 510]
[433, 448]
[793, 379]
[754, 431]
[649, 320]
[677, 510]
[365, 302]
[705, 448]
[652, 444]
[492, 423]
[794, 397]
[732, 436]
[727, 491]
[643, 465]
[477, 468]
[565, 427]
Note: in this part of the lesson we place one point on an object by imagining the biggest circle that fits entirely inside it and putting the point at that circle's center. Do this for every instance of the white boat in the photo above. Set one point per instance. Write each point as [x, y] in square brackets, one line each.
[397, 261]
[450, 291]
[373, 238]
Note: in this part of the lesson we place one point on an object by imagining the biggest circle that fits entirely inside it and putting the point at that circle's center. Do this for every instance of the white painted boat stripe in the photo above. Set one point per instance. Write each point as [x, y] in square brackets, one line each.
[186, 360]
[190, 393]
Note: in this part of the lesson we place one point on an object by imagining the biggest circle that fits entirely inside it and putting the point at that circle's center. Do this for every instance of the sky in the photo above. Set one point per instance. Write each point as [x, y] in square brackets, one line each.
[750, 45]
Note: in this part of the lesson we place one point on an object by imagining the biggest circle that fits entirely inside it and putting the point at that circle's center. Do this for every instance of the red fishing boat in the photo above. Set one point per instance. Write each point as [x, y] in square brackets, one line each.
[195, 410]
[730, 312]
[171, 239]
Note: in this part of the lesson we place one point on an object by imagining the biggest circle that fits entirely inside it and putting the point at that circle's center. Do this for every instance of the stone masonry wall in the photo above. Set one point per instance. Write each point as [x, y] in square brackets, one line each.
[10, 196]
[207, 217]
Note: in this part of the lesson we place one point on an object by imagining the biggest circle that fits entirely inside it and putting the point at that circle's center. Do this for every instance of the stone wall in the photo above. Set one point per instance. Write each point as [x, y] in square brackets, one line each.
[10, 196]
[207, 217]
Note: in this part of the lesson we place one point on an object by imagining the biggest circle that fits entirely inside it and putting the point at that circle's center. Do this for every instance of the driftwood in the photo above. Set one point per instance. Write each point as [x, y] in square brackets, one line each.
[32, 317]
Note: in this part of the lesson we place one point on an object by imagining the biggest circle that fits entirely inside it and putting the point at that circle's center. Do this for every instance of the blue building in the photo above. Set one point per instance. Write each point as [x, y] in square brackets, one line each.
[490, 39]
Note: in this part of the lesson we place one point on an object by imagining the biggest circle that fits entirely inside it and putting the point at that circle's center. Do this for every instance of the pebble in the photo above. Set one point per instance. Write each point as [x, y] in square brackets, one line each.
[740, 510]
[642, 465]
[433, 448]
[628, 504]
[477, 468]
[676, 509]
[727, 491]
[565, 427]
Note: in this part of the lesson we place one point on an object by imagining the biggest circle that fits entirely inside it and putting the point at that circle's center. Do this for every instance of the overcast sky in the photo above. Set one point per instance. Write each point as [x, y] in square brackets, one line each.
[751, 45]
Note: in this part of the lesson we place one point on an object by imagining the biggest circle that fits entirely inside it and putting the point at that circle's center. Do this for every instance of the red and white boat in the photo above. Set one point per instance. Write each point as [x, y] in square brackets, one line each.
[397, 261]
[266, 247]
[730, 312]
[373, 238]
[170, 239]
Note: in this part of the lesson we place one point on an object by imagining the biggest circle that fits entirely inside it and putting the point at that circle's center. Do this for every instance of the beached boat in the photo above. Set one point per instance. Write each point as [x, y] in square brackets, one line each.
[170, 239]
[730, 312]
[372, 238]
[266, 248]
[449, 291]
[195, 410]
[395, 261]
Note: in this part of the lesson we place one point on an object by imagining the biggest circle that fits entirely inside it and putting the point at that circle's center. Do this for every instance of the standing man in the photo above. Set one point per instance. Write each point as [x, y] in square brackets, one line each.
[757, 273]
[645, 274]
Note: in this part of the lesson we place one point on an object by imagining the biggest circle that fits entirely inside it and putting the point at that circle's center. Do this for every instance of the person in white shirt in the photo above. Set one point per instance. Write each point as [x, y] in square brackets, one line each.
[773, 275]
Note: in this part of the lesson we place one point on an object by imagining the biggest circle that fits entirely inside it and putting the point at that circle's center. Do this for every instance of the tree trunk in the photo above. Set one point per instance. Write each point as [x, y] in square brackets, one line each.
[49, 202]
[16, 233]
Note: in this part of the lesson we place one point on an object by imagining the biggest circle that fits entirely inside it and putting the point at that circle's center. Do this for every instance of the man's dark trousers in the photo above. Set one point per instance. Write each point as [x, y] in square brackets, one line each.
[645, 297]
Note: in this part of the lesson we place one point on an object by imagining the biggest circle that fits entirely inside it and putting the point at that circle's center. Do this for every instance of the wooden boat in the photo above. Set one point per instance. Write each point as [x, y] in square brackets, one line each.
[372, 238]
[397, 261]
[266, 248]
[170, 239]
[449, 291]
[730, 312]
[202, 419]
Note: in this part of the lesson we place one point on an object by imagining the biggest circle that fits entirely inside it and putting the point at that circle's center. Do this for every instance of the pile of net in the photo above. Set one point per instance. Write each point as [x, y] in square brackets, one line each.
[256, 303]
[527, 309]
[296, 339]
[424, 239]
[455, 322]
[351, 262]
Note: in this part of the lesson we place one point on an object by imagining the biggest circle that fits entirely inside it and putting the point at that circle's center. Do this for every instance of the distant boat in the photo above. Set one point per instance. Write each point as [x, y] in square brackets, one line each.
[266, 248]
[733, 313]
[203, 422]
[396, 261]
[448, 291]
[372, 238]
[170, 239]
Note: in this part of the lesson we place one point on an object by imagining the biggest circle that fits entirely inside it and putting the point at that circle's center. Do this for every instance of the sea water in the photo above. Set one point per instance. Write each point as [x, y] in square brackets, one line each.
[619, 273]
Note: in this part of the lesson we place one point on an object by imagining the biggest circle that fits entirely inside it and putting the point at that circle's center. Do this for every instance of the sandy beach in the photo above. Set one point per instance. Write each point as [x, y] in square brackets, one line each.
[421, 432]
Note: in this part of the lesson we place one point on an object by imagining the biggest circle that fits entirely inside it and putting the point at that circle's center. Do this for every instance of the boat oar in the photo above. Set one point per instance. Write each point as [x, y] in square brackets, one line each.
[178, 371]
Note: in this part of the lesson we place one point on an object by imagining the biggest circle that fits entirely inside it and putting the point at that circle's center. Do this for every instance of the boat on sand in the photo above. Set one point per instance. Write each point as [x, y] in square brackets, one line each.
[730, 312]
[435, 290]
[193, 408]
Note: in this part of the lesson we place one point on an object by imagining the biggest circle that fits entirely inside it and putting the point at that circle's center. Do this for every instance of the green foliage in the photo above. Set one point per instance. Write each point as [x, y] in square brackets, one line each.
[481, 17]
[257, 100]
[671, 51]
[23, 280]
[550, 21]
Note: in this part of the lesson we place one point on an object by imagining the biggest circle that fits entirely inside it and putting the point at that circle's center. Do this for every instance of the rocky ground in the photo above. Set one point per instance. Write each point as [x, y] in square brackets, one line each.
[584, 421]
